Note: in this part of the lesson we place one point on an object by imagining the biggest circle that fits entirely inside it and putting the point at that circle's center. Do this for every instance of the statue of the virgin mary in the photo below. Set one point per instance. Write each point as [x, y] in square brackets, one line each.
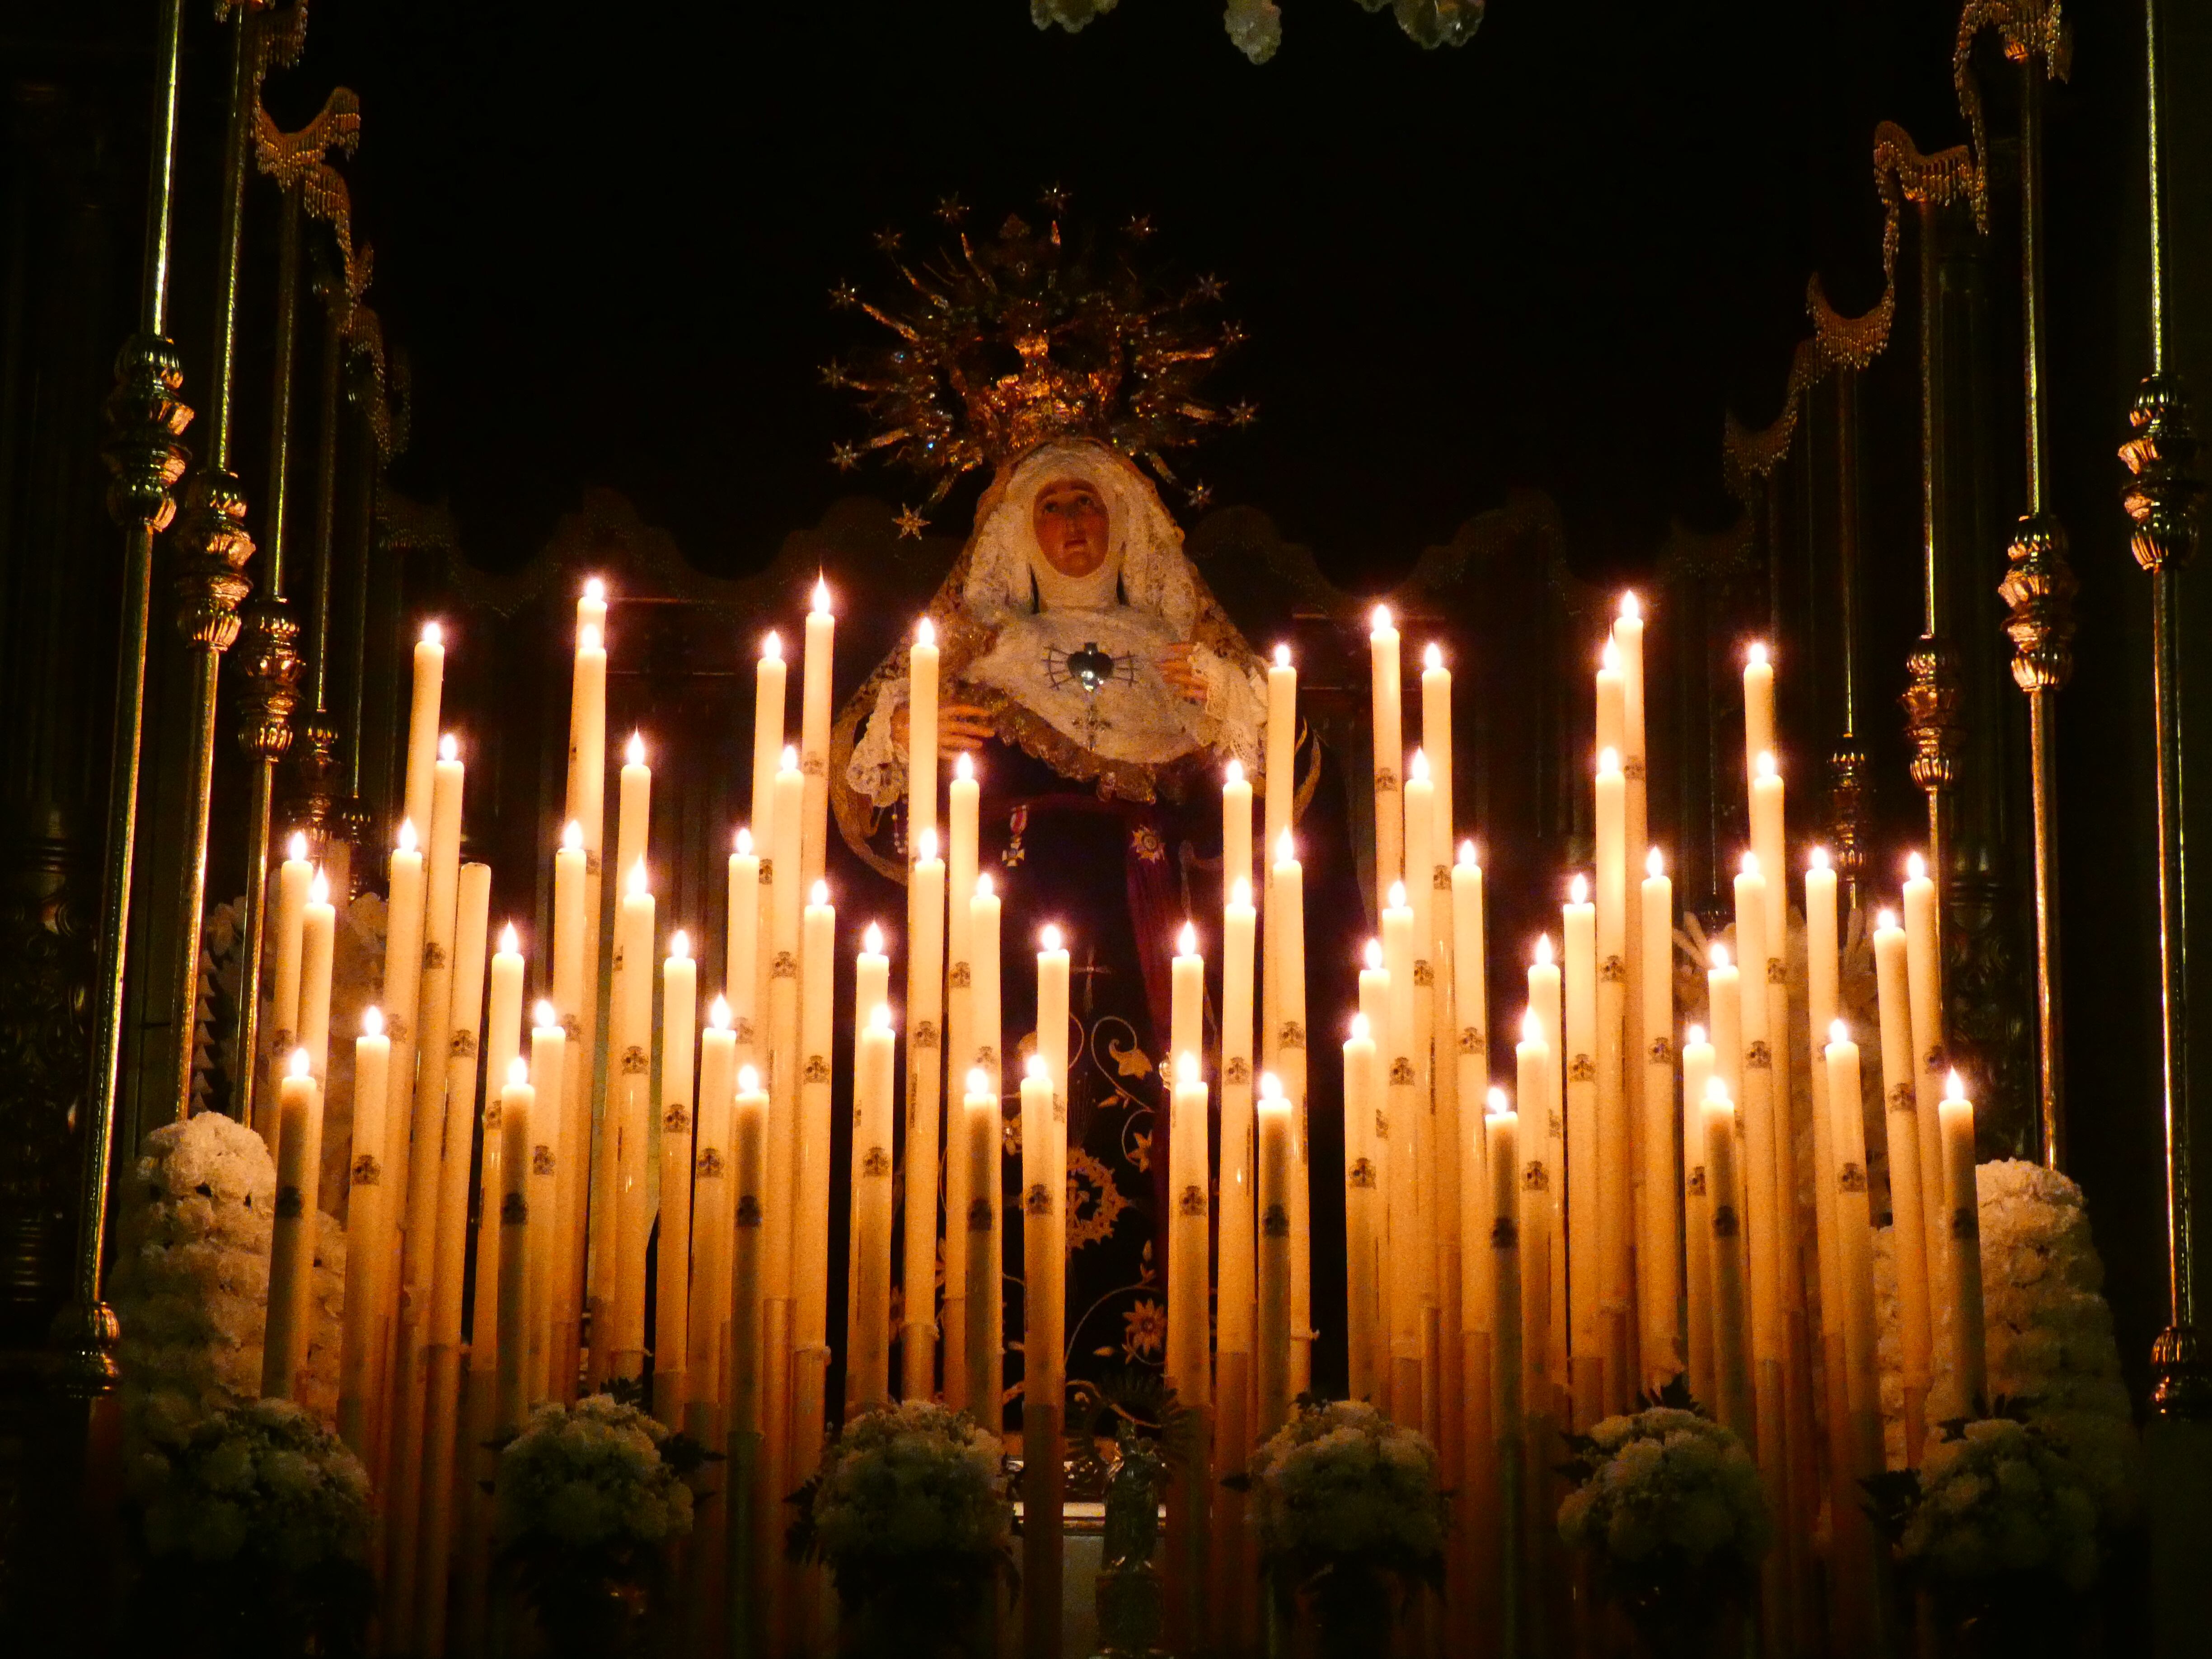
[1098, 688]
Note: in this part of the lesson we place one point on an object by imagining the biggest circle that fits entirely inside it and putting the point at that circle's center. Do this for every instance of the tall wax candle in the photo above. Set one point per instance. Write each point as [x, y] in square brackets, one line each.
[1821, 969]
[811, 1228]
[1187, 995]
[1286, 969]
[1052, 965]
[1236, 826]
[503, 1008]
[422, 712]
[281, 976]
[1767, 841]
[1365, 1336]
[1538, 1218]
[1628, 641]
[1185, 1358]
[1697, 1212]
[1659, 1216]
[672, 1336]
[1855, 1253]
[782, 997]
[1470, 999]
[1403, 1284]
[747, 1350]
[318, 951]
[516, 1101]
[1281, 775]
[565, 1122]
[868, 1378]
[1389, 754]
[987, 1045]
[1724, 1008]
[633, 810]
[1616, 1129]
[768, 737]
[925, 1087]
[1585, 1227]
[1732, 1397]
[741, 946]
[961, 805]
[814, 712]
[551, 1150]
[586, 804]
[1908, 1242]
[1966, 1347]
[1924, 1000]
[1434, 1261]
[1762, 1216]
[367, 1226]
[292, 1237]
[1501, 1157]
[1757, 706]
[713, 1213]
[1271, 1364]
[1238, 1284]
[922, 734]
[624, 1137]
[980, 1266]
[1044, 1290]
[1545, 1140]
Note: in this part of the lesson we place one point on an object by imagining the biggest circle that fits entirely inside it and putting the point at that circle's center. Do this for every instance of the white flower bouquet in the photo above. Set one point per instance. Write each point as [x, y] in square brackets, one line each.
[1669, 1509]
[910, 1510]
[585, 1497]
[1348, 1509]
[254, 1520]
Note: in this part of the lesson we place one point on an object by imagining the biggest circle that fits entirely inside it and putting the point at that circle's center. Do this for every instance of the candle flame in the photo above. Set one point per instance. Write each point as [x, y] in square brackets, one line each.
[296, 849]
[679, 945]
[1632, 608]
[745, 842]
[544, 1016]
[633, 751]
[1048, 937]
[1693, 1035]
[587, 638]
[1543, 950]
[1954, 1089]
[1653, 865]
[637, 887]
[1608, 658]
[821, 597]
[318, 888]
[1373, 955]
[1235, 771]
[879, 1017]
[1885, 921]
[1433, 656]
[1417, 769]
[1756, 656]
[924, 632]
[790, 760]
[1240, 893]
[1750, 865]
[1719, 956]
[433, 633]
[871, 941]
[1916, 867]
[1469, 858]
[964, 769]
[1382, 619]
[518, 1072]
[1270, 1089]
[1578, 889]
[984, 888]
[1818, 859]
[1531, 1028]
[449, 748]
[595, 590]
[772, 647]
[1286, 850]
[1838, 1031]
[572, 837]
[749, 1081]
[1035, 1070]
[1765, 763]
[1608, 760]
[509, 942]
[820, 896]
[407, 841]
[718, 1013]
[978, 1082]
[1397, 896]
[1717, 1093]
[1185, 1070]
[1282, 656]
[299, 1065]
[1499, 1105]
[1361, 1031]
[925, 846]
[372, 1022]
[1187, 941]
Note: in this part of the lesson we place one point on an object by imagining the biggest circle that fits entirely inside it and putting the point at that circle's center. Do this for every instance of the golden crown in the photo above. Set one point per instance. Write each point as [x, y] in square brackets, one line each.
[1008, 342]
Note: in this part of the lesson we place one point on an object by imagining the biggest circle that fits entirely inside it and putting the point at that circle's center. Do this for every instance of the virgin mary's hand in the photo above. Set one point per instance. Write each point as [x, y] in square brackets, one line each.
[1179, 671]
[962, 729]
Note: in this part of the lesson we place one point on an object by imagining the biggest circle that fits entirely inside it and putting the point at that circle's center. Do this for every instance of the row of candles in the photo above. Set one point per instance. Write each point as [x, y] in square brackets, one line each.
[1616, 1256]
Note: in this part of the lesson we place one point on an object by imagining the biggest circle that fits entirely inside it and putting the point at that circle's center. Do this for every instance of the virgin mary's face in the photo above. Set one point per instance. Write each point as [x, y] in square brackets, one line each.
[1070, 523]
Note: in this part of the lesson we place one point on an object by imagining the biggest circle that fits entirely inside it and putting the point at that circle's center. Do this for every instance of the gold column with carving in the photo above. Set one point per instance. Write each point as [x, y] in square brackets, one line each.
[1847, 765]
[145, 420]
[2161, 498]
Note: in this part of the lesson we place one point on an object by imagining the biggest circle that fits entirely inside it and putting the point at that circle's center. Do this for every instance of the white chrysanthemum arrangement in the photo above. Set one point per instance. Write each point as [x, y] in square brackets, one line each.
[1665, 1494]
[1343, 1483]
[2049, 1344]
[1999, 1501]
[913, 1479]
[263, 1482]
[191, 1284]
[590, 1477]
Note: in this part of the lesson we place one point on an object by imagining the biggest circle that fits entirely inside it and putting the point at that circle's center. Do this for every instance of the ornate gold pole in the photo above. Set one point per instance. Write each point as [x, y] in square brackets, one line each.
[2161, 498]
[2039, 588]
[213, 550]
[1847, 766]
[268, 660]
[145, 418]
[1931, 670]
[313, 805]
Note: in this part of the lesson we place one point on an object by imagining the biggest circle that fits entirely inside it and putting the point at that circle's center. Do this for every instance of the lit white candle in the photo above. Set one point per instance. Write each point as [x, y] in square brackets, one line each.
[1389, 754]
[552, 1147]
[424, 709]
[1287, 973]
[922, 734]
[292, 1246]
[1762, 1215]
[925, 998]
[741, 945]
[1238, 1284]
[318, 920]
[748, 1352]
[1189, 1219]
[987, 1320]
[1659, 1218]
[672, 1336]
[810, 1250]
[1470, 1000]
[1431, 1262]
[1236, 826]
[982, 1137]
[517, 1101]
[1969, 1364]
[768, 737]
[1271, 1364]
[629, 1111]
[566, 1120]
[785, 897]
[869, 1334]
[1908, 1231]
[1281, 779]
[814, 714]
[1616, 1128]
[1585, 1230]
[1365, 1334]
[1545, 1140]
[282, 975]
[1539, 1222]
[1856, 1247]
[1821, 966]
[1924, 975]
[1044, 1291]
[367, 1226]
[1403, 1284]
[1187, 995]
[713, 1216]
[1732, 1402]
[1757, 706]
[959, 1058]
[1501, 1128]
[1697, 1213]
